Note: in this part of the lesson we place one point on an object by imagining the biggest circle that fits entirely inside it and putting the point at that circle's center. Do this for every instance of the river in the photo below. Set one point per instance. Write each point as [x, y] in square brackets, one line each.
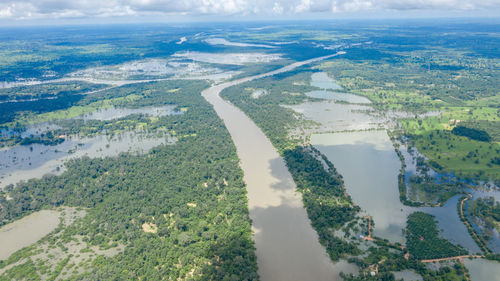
[287, 245]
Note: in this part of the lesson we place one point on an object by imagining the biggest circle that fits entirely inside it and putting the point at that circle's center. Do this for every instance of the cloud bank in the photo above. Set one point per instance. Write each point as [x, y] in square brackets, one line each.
[57, 9]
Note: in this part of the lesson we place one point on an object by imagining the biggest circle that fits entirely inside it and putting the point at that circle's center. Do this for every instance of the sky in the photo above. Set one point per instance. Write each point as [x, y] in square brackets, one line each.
[95, 11]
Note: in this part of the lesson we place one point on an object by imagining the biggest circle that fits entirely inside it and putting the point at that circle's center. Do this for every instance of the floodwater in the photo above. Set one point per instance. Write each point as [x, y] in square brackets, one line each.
[452, 228]
[36, 160]
[407, 275]
[479, 225]
[451, 225]
[287, 246]
[482, 269]
[34, 130]
[325, 82]
[150, 70]
[223, 41]
[338, 96]
[26, 231]
[370, 168]
[335, 117]
[371, 154]
[112, 113]
[228, 58]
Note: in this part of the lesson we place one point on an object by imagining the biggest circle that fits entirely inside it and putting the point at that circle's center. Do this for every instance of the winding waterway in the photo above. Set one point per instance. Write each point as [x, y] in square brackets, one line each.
[287, 246]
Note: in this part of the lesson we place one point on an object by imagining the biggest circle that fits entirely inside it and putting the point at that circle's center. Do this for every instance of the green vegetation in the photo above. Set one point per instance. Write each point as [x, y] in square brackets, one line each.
[48, 91]
[26, 100]
[179, 212]
[466, 158]
[423, 241]
[485, 213]
[487, 209]
[424, 189]
[471, 133]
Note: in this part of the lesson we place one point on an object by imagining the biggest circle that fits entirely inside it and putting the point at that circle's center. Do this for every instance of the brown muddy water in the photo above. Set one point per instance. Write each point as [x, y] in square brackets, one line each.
[287, 245]
[26, 231]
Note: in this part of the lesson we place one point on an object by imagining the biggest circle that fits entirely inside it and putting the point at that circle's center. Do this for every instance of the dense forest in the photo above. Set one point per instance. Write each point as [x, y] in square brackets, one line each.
[176, 212]
[423, 241]
[471, 133]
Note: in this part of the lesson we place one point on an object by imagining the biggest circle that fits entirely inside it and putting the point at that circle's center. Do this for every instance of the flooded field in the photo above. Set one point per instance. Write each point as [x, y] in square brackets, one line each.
[481, 269]
[325, 83]
[23, 162]
[229, 58]
[30, 229]
[112, 113]
[338, 96]
[34, 130]
[452, 228]
[335, 117]
[407, 275]
[36, 160]
[189, 65]
[451, 225]
[222, 41]
[356, 149]
[145, 69]
[478, 224]
[371, 154]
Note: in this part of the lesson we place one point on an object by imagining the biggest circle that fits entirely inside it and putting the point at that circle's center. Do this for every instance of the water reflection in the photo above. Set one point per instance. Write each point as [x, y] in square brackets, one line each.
[481, 269]
[371, 154]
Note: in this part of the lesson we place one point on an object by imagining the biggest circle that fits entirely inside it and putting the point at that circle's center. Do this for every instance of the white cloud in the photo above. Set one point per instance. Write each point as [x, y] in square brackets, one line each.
[36, 9]
[303, 6]
[278, 9]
